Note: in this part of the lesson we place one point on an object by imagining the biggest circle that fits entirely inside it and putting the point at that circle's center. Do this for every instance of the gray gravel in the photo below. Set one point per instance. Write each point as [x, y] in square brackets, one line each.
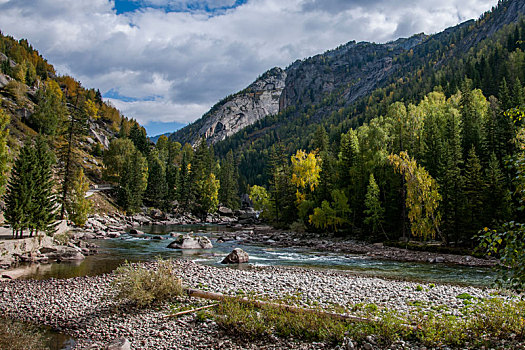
[83, 307]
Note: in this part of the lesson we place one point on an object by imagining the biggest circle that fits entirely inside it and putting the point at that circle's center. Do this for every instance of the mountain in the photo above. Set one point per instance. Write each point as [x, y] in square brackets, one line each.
[235, 112]
[342, 88]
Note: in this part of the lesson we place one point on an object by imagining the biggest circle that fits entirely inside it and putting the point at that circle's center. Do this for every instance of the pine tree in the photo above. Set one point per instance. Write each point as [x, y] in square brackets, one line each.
[20, 191]
[133, 182]
[157, 189]
[374, 211]
[452, 179]
[138, 136]
[496, 198]
[228, 192]
[184, 185]
[504, 95]
[474, 189]
[44, 205]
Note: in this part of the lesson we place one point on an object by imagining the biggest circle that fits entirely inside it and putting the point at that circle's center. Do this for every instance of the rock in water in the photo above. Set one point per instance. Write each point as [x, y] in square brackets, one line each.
[119, 344]
[237, 256]
[191, 242]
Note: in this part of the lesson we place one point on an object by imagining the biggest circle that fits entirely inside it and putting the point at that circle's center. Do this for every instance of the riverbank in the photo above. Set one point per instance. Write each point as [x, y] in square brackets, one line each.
[115, 225]
[265, 235]
[83, 307]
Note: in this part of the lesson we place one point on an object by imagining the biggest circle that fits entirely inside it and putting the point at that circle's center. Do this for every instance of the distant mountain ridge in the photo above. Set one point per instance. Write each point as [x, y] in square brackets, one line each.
[346, 75]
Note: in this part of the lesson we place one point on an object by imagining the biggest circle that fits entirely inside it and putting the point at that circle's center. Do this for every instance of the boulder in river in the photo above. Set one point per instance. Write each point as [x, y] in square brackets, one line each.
[134, 231]
[62, 253]
[191, 242]
[237, 256]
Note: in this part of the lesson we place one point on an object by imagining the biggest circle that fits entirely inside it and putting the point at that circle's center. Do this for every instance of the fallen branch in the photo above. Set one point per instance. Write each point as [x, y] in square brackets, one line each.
[258, 303]
[191, 311]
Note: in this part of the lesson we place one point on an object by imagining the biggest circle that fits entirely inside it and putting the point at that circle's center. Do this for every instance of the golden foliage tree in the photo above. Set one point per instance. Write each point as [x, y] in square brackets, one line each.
[422, 196]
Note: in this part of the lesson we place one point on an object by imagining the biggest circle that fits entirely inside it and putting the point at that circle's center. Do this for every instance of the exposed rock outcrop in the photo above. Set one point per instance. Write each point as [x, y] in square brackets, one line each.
[260, 99]
[191, 242]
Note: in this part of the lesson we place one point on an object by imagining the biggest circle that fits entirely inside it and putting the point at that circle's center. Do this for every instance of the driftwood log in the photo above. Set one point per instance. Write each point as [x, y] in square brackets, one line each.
[196, 293]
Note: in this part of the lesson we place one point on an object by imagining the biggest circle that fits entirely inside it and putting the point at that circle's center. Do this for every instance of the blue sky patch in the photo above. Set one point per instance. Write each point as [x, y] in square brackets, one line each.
[125, 6]
[160, 128]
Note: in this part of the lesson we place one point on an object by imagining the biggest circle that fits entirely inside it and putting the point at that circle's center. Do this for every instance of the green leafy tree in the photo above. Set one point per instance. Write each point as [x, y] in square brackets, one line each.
[115, 157]
[374, 211]
[137, 134]
[331, 216]
[79, 206]
[50, 114]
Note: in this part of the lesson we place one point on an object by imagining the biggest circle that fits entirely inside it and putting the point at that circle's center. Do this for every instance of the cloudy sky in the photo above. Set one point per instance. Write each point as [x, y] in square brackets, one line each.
[166, 62]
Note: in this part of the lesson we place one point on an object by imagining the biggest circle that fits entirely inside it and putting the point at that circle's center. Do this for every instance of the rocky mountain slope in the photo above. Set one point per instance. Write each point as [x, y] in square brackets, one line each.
[229, 116]
[350, 75]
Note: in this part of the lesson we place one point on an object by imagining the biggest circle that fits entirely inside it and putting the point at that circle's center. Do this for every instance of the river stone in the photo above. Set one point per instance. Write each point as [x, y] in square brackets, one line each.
[237, 256]
[134, 231]
[62, 253]
[119, 344]
[191, 242]
[225, 211]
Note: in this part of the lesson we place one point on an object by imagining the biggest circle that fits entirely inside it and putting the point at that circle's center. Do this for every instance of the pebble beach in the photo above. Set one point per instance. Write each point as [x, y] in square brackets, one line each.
[83, 307]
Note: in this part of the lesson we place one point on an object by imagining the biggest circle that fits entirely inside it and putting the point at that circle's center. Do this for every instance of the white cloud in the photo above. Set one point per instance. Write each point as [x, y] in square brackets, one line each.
[188, 61]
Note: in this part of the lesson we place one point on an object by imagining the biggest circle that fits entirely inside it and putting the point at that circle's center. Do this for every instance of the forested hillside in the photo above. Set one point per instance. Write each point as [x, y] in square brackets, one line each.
[72, 125]
[443, 99]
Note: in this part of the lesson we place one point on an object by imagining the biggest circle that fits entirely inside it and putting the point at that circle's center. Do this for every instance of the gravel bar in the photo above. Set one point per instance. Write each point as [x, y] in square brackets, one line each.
[83, 307]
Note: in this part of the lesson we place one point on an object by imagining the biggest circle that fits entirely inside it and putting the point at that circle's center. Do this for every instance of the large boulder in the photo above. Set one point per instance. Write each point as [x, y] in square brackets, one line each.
[62, 253]
[191, 242]
[237, 256]
[225, 211]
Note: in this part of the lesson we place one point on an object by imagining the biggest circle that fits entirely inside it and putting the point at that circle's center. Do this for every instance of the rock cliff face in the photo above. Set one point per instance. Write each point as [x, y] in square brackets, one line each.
[232, 114]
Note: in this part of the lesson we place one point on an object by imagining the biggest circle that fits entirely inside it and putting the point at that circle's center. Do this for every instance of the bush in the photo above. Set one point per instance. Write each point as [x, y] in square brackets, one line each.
[143, 286]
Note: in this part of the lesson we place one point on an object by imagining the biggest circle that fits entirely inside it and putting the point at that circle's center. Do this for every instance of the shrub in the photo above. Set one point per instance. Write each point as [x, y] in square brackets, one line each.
[143, 286]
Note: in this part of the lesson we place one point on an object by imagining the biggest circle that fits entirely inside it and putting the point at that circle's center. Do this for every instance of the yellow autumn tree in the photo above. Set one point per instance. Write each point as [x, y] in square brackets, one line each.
[422, 196]
[306, 168]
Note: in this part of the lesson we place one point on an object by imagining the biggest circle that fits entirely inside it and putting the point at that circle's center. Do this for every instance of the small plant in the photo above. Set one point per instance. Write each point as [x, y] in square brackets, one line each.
[62, 238]
[464, 296]
[419, 288]
[431, 285]
[143, 287]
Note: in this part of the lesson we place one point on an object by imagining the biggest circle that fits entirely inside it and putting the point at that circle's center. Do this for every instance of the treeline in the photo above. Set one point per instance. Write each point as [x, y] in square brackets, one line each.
[168, 175]
[452, 154]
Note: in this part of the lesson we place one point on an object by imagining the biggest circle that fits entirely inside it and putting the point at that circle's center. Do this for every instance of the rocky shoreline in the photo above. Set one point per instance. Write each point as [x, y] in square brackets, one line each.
[83, 307]
[243, 226]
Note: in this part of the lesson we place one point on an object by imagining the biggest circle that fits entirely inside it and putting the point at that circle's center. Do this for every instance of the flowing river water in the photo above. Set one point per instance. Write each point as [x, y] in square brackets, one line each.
[113, 252]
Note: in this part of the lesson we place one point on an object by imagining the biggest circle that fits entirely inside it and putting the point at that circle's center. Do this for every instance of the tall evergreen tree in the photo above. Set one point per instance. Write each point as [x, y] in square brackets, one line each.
[133, 182]
[44, 205]
[374, 211]
[157, 189]
[21, 190]
[184, 185]
[475, 187]
[228, 192]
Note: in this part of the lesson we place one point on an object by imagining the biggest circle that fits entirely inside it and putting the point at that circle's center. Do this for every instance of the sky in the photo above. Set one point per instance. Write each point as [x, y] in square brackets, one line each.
[166, 62]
